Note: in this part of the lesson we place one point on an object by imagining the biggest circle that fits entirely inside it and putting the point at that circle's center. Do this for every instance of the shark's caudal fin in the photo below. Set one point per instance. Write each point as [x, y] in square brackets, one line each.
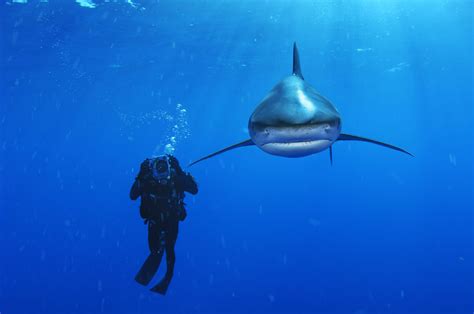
[296, 63]
[241, 144]
[347, 137]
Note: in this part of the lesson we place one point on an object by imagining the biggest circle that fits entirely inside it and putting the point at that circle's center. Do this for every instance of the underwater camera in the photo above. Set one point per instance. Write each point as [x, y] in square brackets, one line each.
[162, 170]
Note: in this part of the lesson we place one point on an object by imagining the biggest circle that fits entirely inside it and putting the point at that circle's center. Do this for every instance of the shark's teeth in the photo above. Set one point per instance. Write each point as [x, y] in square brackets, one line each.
[296, 149]
[309, 142]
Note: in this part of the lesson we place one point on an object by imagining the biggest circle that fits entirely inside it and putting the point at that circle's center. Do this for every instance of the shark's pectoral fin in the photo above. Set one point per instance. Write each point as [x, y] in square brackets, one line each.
[241, 144]
[347, 137]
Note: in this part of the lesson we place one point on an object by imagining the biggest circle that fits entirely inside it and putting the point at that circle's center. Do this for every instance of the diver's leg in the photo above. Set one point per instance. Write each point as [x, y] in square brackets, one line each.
[155, 243]
[171, 236]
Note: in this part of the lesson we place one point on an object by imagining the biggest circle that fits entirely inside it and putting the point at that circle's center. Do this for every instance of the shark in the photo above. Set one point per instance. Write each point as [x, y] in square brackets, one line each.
[294, 120]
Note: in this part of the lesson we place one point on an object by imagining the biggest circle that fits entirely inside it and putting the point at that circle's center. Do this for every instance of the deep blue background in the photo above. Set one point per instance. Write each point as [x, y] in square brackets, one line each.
[379, 232]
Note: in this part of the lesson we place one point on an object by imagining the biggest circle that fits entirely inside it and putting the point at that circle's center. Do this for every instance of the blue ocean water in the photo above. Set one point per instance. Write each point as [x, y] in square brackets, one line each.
[91, 88]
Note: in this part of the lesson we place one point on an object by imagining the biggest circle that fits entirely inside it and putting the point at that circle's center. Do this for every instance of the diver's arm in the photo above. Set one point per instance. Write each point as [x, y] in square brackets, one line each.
[136, 190]
[137, 187]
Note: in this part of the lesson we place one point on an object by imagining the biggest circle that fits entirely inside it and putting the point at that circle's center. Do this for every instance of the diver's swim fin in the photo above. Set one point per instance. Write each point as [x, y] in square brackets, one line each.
[162, 286]
[149, 268]
[241, 144]
[348, 137]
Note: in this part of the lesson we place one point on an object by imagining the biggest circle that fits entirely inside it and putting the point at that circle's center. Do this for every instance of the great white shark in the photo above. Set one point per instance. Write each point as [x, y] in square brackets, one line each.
[294, 120]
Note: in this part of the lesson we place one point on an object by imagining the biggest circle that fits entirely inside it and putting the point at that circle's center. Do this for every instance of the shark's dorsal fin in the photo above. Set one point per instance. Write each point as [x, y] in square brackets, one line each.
[296, 63]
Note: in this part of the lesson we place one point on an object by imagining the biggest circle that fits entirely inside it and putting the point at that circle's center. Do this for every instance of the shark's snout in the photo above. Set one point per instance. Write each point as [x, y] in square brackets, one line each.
[294, 120]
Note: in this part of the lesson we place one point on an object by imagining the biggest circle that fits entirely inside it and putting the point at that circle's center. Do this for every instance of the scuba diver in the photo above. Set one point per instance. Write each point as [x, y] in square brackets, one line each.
[161, 184]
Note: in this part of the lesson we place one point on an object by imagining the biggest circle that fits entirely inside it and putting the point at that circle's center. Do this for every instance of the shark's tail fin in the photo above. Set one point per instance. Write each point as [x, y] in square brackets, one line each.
[296, 63]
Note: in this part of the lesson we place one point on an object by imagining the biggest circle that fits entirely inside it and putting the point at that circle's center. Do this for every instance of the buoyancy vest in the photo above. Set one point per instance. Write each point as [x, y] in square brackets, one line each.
[160, 196]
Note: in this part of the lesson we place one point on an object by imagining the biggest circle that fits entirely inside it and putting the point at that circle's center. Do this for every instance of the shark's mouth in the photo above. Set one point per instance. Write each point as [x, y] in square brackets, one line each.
[296, 149]
[295, 141]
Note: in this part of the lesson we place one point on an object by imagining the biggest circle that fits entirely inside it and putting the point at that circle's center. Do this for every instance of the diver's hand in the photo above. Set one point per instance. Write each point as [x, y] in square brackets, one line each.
[145, 165]
[144, 169]
[186, 182]
[179, 181]
[189, 177]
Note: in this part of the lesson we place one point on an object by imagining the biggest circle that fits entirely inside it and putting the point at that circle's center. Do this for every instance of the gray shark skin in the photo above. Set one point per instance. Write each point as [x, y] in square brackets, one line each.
[294, 120]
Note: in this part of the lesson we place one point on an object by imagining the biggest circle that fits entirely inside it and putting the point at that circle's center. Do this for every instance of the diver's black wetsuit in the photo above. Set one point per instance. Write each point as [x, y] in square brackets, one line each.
[163, 216]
